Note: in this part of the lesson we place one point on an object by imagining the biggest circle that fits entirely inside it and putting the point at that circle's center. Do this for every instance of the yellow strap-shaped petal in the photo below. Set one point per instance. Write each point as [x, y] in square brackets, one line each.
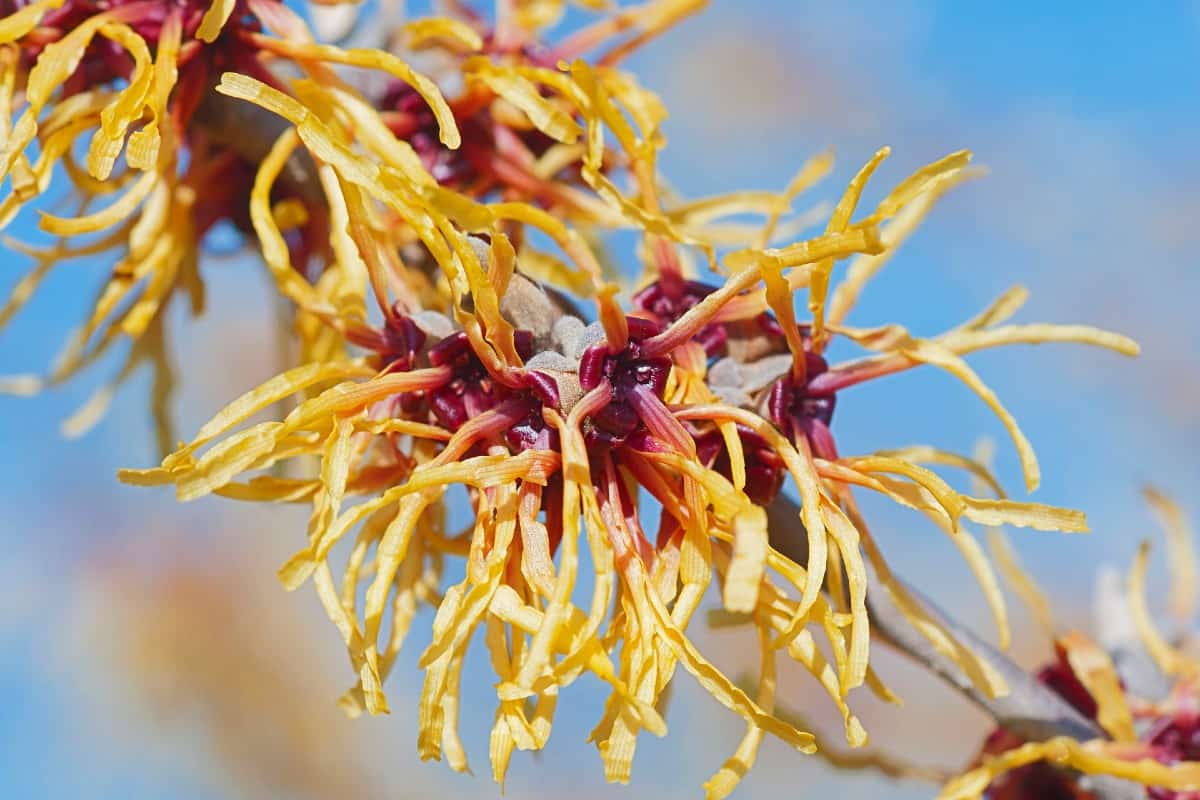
[1181, 553]
[545, 115]
[1096, 672]
[214, 19]
[25, 19]
[1168, 659]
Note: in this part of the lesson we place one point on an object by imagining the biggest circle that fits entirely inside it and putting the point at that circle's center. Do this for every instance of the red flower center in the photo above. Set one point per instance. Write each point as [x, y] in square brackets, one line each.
[629, 374]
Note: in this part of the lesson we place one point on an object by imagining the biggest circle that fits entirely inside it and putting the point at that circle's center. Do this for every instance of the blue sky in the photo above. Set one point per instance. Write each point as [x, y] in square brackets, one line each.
[1088, 123]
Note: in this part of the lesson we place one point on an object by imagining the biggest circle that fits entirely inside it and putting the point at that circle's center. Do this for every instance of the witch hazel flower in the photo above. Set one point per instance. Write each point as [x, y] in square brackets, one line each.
[562, 431]
[521, 140]
[1139, 691]
[167, 160]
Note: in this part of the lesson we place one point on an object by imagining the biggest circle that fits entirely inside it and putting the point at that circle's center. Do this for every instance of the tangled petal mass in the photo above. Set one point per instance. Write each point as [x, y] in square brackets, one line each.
[504, 315]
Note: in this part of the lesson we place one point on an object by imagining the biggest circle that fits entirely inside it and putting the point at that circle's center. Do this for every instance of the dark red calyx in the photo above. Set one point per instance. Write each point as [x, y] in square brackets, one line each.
[402, 341]
[523, 341]
[413, 120]
[669, 298]
[628, 368]
[764, 467]
[532, 432]
[397, 342]
[1060, 678]
[543, 387]
[1039, 781]
[790, 405]
[471, 390]
[456, 167]
[626, 371]
[454, 350]
[771, 326]
[1176, 738]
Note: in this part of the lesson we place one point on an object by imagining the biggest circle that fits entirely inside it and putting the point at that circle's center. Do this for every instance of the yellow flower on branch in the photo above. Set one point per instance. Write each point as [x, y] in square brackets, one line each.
[702, 399]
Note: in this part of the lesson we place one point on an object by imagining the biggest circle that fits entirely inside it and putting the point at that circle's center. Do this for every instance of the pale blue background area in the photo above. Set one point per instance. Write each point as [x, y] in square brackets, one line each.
[1088, 117]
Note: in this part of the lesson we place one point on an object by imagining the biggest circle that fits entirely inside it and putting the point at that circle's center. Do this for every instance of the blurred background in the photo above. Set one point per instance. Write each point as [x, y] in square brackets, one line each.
[147, 651]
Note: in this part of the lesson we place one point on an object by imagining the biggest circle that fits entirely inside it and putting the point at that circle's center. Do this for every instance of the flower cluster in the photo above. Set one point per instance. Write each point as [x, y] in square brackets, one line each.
[459, 328]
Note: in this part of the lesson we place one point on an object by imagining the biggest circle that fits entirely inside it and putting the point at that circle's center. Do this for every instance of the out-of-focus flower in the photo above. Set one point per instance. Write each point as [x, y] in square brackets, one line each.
[1151, 738]
[196, 647]
[134, 81]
